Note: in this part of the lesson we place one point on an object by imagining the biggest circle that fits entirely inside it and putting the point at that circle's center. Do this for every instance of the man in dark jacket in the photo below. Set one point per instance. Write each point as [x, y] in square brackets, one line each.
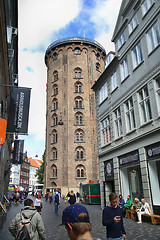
[37, 224]
[113, 220]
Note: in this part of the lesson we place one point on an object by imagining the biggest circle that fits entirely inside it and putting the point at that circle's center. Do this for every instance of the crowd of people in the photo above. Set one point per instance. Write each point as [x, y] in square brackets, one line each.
[75, 217]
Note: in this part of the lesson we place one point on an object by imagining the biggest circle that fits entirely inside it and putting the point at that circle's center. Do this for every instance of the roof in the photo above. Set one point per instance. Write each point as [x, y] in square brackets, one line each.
[35, 162]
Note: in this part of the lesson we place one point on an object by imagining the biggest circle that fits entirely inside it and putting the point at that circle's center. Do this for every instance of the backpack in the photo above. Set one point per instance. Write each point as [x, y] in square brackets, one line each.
[25, 229]
[56, 198]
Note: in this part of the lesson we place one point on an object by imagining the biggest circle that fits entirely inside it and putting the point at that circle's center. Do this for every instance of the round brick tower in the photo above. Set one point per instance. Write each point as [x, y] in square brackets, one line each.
[73, 64]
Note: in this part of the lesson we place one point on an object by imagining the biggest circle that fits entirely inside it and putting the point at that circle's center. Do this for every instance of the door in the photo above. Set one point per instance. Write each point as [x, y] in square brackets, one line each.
[135, 182]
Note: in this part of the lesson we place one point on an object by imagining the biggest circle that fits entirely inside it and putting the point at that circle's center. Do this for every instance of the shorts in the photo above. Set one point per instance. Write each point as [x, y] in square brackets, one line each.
[38, 208]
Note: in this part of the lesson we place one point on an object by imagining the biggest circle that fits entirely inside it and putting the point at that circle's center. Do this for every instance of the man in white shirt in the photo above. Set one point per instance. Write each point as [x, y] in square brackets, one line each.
[145, 209]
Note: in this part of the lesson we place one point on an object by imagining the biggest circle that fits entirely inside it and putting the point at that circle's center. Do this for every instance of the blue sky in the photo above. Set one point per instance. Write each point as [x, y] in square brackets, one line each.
[42, 22]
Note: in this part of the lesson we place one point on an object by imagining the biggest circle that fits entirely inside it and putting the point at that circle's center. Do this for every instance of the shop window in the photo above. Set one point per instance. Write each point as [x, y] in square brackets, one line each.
[130, 116]
[106, 131]
[118, 123]
[144, 105]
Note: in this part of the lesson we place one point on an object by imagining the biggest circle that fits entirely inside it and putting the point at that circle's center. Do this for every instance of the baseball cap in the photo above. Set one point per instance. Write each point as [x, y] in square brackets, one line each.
[71, 213]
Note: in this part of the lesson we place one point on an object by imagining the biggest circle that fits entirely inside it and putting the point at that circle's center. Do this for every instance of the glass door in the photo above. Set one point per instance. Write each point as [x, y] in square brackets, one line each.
[135, 182]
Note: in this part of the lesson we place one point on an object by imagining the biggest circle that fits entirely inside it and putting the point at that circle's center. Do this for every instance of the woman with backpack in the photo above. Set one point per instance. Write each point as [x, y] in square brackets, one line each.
[72, 197]
[38, 203]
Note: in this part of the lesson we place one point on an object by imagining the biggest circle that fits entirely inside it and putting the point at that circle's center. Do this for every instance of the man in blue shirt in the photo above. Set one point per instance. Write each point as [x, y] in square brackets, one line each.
[113, 220]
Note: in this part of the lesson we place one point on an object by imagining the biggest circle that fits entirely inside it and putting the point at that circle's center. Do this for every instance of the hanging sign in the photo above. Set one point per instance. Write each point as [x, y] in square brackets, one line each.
[3, 125]
[18, 152]
[19, 110]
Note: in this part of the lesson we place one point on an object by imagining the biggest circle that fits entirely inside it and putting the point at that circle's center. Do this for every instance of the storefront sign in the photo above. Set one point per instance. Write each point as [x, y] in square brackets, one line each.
[127, 159]
[3, 125]
[153, 151]
[18, 152]
[108, 169]
[19, 110]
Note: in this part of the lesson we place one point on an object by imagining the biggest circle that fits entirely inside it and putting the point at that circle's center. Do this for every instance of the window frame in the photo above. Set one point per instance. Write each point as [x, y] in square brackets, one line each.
[153, 37]
[137, 55]
[124, 67]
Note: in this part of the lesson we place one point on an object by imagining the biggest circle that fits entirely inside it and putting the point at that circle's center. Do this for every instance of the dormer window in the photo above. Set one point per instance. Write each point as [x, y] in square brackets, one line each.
[77, 51]
[55, 56]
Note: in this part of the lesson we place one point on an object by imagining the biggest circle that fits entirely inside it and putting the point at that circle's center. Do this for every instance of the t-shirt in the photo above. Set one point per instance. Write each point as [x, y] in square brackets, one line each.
[114, 230]
[37, 202]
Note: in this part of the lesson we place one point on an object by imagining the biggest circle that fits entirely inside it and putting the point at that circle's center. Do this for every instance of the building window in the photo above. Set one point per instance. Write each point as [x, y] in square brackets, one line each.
[80, 171]
[54, 171]
[137, 55]
[97, 66]
[124, 69]
[55, 104]
[146, 6]
[79, 153]
[78, 87]
[77, 51]
[55, 120]
[78, 103]
[79, 118]
[158, 92]
[79, 135]
[121, 40]
[130, 117]
[118, 122]
[55, 56]
[133, 23]
[144, 103]
[54, 153]
[55, 76]
[97, 56]
[55, 136]
[114, 84]
[103, 93]
[106, 131]
[54, 90]
[153, 37]
[78, 72]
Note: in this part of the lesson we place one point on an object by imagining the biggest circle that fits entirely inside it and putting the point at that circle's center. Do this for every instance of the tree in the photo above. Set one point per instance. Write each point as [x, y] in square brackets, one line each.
[40, 171]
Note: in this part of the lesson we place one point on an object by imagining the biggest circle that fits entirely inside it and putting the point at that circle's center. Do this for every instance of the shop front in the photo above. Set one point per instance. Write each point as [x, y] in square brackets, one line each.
[130, 175]
[153, 159]
[109, 181]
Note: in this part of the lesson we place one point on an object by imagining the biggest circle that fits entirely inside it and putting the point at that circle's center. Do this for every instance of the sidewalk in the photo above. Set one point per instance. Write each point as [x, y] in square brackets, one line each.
[144, 231]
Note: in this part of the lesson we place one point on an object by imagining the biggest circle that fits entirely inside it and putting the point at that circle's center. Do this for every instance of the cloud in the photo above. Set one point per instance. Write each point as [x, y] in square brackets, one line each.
[104, 16]
[29, 69]
[39, 18]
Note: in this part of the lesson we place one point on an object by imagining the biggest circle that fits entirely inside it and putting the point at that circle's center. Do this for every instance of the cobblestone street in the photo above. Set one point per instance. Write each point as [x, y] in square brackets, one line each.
[53, 231]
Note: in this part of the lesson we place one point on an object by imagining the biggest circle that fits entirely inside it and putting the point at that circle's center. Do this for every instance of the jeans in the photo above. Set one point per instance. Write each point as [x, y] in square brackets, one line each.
[50, 199]
[56, 207]
[120, 238]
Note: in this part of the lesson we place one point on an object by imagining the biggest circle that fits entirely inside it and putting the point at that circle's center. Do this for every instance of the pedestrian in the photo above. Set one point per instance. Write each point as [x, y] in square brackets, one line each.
[145, 209]
[121, 201]
[17, 197]
[72, 197]
[136, 207]
[77, 197]
[46, 196]
[37, 224]
[50, 196]
[38, 203]
[127, 205]
[57, 199]
[77, 222]
[113, 220]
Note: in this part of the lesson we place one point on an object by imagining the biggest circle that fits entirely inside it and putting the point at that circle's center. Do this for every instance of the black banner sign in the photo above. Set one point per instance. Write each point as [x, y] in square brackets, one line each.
[153, 151]
[108, 169]
[19, 110]
[130, 158]
[18, 152]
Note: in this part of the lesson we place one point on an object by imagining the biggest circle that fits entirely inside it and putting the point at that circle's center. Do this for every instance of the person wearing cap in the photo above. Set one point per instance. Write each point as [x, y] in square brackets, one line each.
[77, 222]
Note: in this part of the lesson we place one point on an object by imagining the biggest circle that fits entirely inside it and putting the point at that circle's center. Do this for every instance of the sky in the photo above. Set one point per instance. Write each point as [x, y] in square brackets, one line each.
[42, 22]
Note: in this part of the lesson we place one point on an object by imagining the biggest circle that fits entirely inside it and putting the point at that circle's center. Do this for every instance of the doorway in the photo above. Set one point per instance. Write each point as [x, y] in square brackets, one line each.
[135, 182]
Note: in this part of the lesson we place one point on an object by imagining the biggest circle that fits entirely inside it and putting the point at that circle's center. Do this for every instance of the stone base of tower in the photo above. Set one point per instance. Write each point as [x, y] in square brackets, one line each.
[64, 190]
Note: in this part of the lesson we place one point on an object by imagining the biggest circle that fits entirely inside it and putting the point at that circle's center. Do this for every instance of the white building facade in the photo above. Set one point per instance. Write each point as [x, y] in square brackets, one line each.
[15, 174]
[34, 165]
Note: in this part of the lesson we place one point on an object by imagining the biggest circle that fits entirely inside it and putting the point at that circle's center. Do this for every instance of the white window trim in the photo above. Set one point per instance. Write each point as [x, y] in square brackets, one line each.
[152, 38]
[103, 93]
[136, 55]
